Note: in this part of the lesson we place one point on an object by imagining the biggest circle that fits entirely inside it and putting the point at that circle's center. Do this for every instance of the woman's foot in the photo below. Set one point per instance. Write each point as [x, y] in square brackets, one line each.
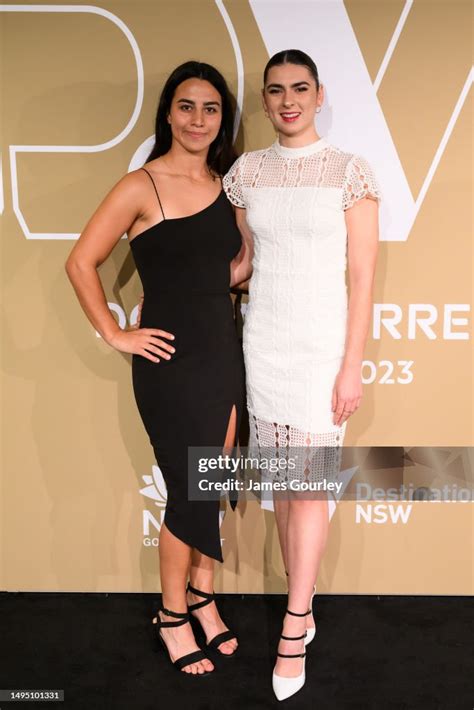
[211, 622]
[180, 641]
[291, 667]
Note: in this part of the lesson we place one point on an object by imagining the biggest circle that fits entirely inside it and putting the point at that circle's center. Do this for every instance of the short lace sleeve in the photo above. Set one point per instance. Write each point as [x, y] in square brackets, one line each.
[232, 183]
[359, 182]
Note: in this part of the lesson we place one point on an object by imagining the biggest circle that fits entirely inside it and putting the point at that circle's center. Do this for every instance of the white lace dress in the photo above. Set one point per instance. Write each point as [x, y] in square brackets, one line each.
[295, 323]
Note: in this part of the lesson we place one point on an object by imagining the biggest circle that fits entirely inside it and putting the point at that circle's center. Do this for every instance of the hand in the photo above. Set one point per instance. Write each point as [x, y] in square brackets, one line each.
[347, 394]
[143, 341]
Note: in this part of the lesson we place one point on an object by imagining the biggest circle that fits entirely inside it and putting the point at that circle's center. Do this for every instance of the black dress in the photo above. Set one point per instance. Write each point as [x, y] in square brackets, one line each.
[184, 266]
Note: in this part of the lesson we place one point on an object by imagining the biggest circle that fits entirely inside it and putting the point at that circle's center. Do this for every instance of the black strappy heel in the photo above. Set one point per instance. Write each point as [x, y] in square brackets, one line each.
[188, 658]
[214, 643]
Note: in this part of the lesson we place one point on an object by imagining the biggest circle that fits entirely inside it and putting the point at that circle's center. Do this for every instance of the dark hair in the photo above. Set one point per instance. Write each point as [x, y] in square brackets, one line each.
[292, 56]
[221, 153]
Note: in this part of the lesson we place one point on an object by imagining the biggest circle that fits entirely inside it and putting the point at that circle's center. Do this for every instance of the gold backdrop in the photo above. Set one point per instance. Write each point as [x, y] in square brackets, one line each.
[83, 498]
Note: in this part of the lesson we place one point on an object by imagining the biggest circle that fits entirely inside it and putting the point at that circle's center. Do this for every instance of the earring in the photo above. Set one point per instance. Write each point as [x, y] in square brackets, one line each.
[318, 110]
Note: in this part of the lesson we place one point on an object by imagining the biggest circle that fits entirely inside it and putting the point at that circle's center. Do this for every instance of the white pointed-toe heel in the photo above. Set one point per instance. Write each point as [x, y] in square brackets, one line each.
[284, 687]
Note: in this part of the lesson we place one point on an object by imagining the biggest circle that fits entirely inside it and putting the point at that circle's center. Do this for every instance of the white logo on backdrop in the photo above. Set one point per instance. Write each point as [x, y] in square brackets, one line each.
[324, 31]
[383, 513]
[155, 487]
[141, 153]
[16, 149]
[352, 117]
[155, 490]
[420, 320]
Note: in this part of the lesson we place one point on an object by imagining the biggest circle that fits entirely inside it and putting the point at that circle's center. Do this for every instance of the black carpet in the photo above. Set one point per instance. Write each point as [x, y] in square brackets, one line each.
[370, 652]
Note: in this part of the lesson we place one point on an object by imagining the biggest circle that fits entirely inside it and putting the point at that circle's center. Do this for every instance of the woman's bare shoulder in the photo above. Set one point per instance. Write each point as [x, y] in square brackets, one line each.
[131, 185]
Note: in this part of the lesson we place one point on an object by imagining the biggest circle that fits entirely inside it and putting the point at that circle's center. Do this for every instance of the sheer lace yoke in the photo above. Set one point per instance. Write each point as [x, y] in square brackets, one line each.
[318, 165]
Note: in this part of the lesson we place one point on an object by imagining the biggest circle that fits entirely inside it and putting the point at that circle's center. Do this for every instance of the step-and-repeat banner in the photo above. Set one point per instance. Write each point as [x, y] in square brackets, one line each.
[83, 497]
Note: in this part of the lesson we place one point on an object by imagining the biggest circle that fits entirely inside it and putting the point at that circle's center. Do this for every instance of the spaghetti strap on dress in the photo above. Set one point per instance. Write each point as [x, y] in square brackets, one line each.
[156, 191]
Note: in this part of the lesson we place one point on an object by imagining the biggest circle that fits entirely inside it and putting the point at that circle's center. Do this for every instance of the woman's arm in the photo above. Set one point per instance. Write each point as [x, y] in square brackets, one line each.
[241, 266]
[112, 219]
[363, 237]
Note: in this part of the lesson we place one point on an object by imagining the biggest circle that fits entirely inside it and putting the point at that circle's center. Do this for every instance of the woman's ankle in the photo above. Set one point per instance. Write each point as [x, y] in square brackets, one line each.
[203, 585]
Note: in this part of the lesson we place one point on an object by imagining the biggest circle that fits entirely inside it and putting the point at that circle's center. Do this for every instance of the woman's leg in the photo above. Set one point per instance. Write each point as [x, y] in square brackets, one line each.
[202, 570]
[281, 506]
[307, 531]
[175, 559]
[202, 578]
[307, 534]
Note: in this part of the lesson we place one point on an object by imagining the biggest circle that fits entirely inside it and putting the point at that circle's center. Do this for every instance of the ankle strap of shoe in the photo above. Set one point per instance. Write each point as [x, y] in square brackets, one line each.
[293, 638]
[174, 614]
[294, 613]
[291, 655]
[182, 618]
[208, 597]
[199, 593]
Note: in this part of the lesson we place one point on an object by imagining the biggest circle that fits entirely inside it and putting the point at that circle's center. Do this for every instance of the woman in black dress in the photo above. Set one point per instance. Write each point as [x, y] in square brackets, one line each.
[187, 362]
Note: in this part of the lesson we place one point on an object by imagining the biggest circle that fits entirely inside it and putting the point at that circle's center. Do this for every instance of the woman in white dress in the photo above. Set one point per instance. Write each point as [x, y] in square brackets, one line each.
[310, 210]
